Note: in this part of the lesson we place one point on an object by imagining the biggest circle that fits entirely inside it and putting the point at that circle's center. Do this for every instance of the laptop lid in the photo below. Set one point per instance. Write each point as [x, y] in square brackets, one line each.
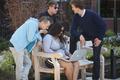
[78, 54]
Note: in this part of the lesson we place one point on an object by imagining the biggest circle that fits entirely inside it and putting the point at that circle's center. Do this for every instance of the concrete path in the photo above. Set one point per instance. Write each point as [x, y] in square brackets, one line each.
[90, 78]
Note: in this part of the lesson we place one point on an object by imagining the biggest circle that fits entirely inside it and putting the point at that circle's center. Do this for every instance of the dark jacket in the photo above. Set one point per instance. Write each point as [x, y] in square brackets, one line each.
[90, 26]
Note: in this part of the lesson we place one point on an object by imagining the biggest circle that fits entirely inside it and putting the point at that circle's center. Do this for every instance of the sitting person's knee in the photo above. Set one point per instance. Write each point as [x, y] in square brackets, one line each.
[69, 66]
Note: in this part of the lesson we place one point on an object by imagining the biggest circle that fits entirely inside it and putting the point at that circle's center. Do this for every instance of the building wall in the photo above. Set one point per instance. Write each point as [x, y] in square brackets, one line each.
[110, 24]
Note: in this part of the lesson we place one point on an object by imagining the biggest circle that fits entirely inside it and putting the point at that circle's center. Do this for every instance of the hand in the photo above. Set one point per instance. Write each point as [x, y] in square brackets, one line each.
[44, 31]
[97, 42]
[39, 44]
[82, 40]
[68, 54]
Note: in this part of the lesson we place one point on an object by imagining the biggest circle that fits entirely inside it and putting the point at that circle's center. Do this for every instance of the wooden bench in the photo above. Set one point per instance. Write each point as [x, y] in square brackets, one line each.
[84, 64]
[39, 64]
[41, 68]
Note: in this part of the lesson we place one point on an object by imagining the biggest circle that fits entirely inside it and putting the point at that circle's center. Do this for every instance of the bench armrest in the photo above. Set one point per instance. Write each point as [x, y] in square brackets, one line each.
[47, 55]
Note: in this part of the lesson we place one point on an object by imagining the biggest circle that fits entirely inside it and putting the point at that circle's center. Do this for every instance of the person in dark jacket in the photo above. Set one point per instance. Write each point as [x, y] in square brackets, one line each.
[87, 25]
[51, 11]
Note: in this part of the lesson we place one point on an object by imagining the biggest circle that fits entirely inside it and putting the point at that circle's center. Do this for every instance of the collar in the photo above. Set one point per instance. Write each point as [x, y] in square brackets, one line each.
[83, 13]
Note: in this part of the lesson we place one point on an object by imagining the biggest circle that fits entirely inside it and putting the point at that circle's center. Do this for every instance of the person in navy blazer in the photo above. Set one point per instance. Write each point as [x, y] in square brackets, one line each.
[87, 25]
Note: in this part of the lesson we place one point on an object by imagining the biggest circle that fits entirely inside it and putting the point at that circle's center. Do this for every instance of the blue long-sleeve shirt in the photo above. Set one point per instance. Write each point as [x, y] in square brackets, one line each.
[26, 35]
[90, 26]
[52, 45]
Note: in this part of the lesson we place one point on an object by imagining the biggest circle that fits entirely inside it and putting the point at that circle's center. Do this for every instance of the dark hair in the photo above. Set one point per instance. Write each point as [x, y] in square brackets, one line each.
[78, 3]
[46, 19]
[55, 30]
[51, 3]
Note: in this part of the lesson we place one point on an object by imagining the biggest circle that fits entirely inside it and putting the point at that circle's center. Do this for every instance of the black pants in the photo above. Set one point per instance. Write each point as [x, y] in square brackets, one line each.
[96, 64]
[96, 57]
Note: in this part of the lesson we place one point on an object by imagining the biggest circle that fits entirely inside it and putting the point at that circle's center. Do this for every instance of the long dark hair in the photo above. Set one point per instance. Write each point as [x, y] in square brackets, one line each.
[56, 31]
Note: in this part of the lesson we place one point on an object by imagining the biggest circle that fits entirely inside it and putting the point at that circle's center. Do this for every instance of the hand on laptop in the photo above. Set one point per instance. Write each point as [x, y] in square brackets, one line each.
[68, 54]
[66, 57]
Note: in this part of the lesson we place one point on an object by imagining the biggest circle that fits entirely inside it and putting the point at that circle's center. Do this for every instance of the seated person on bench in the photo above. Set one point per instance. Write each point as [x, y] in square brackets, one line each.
[54, 43]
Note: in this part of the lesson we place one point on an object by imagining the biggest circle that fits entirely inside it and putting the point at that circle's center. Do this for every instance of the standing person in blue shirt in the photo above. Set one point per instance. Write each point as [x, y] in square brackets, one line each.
[24, 40]
[87, 25]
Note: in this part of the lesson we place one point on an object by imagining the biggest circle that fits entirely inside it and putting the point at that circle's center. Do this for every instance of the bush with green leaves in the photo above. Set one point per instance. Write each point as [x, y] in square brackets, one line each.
[4, 44]
[6, 65]
[109, 33]
[111, 41]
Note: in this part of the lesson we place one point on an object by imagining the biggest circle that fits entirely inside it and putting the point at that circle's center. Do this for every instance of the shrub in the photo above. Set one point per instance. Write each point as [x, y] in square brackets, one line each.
[109, 33]
[3, 44]
[6, 66]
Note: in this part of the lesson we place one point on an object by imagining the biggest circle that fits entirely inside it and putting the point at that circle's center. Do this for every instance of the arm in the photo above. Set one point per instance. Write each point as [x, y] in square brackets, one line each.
[74, 31]
[47, 40]
[100, 26]
[66, 49]
[74, 26]
[32, 32]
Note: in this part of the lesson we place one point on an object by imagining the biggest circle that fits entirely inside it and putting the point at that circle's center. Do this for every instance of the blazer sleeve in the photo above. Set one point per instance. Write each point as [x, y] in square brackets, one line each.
[100, 26]
[74, 27]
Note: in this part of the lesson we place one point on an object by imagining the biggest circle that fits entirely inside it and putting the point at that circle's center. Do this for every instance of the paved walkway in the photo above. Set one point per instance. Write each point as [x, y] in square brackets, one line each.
[90, 78]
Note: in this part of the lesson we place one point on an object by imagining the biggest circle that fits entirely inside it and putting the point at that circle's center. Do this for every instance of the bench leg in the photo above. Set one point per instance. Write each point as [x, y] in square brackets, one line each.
[102, 67]
[56, 69]
[57, 73]
[37, 73]
[83, 74]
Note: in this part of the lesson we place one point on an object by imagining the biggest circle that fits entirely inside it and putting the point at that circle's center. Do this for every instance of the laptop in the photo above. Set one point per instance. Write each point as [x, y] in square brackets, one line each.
[77, 55]
[80, 53]
[88, 44]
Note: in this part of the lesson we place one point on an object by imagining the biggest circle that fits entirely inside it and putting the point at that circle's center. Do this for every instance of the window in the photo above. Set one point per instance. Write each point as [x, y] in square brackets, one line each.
[107, 8]
[118, 8]
[88, 4]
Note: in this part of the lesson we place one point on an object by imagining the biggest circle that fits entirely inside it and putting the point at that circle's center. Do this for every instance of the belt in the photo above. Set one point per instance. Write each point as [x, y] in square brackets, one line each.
[10, 44]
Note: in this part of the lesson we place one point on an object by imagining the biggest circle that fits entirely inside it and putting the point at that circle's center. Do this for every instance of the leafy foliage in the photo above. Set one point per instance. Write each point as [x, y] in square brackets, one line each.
[111, 40]
[3, 44]
[6, 66]
[109, 33]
